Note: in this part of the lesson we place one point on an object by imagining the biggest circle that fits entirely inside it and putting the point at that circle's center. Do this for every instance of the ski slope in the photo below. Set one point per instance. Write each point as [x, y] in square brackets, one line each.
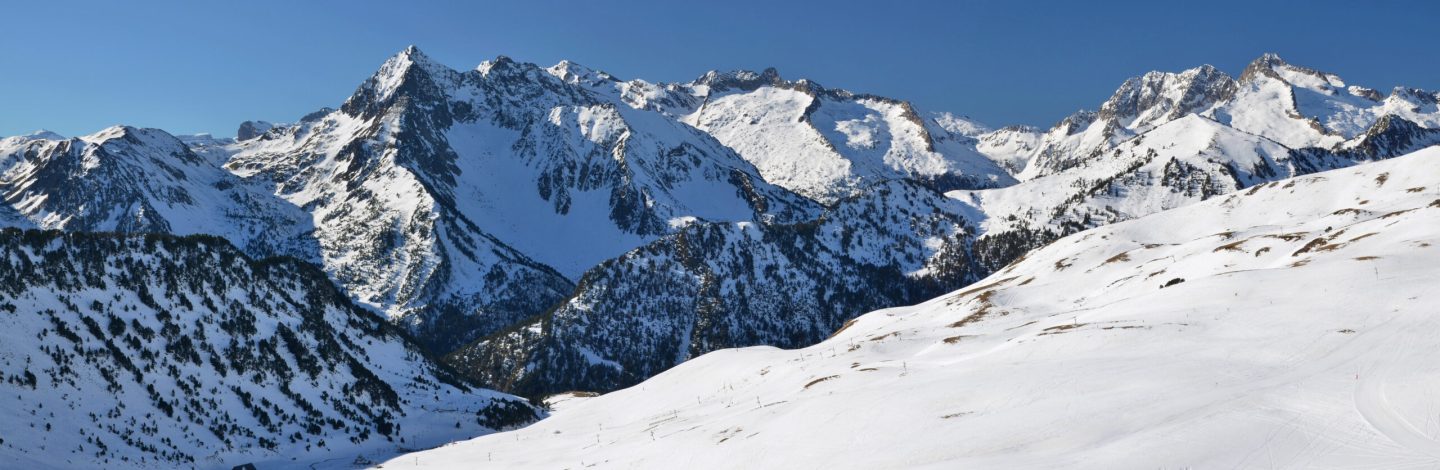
[1288, 325]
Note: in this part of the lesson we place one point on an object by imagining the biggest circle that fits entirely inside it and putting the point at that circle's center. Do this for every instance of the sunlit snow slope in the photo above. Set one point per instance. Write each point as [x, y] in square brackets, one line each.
[1288, 325]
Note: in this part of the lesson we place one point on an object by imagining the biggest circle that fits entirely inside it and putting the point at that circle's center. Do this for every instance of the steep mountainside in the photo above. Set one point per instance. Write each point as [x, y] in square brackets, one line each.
[445, 198]
[152, 351]
[714, 286]
[1288, 325]
[826, 144]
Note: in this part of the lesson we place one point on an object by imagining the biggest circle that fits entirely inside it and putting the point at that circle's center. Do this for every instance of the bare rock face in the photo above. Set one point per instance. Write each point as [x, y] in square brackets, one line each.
[252, 129]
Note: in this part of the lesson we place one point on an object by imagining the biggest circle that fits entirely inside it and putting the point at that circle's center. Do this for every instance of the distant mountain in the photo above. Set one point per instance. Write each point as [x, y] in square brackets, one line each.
[1167, 140]
[146, 351]
[125, 179]
[826, 144]
[1291, 325]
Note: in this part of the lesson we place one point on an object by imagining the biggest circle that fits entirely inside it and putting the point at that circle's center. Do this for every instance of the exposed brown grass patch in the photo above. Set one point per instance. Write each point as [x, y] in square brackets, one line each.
[1381, 179]
[886, 335]
[1393, 214]
[980, 313]
[844, 327]
[1349, 210]
[1366, 258]
[1120, 258]
[956, 339]
[1290, 237]
[1415, 189]
[1057, 329]
[822, 379]
[1232, 246]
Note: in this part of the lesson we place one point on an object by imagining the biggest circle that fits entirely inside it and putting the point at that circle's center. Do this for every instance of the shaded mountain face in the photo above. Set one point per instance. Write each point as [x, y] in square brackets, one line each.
[826, 144]
[723, 285]
[160, 351]
[1229, 333]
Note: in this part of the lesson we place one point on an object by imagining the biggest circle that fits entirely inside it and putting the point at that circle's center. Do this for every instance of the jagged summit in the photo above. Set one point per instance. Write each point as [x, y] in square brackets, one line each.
[746, 80]
[1142, 102]
[571, 72]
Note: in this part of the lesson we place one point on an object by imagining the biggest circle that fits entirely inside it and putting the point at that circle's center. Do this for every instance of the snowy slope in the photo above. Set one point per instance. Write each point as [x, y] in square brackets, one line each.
[1288, 325]
[156, 351]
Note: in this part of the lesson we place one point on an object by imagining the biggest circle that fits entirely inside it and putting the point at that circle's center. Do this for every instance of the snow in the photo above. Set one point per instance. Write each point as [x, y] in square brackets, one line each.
[1301, 335]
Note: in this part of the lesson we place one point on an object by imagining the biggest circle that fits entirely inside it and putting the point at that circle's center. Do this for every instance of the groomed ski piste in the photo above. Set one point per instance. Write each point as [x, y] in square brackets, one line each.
[1288, 325]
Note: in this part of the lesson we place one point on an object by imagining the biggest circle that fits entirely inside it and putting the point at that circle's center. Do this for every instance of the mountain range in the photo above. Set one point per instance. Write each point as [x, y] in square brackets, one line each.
[539, 230]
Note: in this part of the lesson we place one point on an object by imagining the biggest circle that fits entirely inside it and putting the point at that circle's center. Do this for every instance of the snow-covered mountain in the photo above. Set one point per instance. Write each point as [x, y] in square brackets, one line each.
[124, 179]
[1287, 325]
[826, 144]
[1294, 106]
[747, 284]
[461, 202]
[1165, 140]
[156, 351]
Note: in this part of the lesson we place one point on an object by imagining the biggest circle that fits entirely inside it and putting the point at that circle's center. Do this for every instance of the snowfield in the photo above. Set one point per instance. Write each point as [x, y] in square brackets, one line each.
[1287, 325]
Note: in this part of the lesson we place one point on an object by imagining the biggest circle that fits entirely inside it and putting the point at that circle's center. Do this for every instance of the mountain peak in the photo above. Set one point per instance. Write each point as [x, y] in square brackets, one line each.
[571, 72]
[740, 79]
[1269, 59]
[1264, 65]
[411, 56]
[44, 134]
[1157, 97]
[410, 69]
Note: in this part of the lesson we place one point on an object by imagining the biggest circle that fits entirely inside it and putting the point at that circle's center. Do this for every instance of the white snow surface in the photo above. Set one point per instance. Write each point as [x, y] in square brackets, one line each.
[823, 144]
[1302, 335]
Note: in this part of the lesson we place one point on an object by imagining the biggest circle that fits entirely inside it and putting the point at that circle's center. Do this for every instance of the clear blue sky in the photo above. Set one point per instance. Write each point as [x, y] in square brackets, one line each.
[202, 66]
